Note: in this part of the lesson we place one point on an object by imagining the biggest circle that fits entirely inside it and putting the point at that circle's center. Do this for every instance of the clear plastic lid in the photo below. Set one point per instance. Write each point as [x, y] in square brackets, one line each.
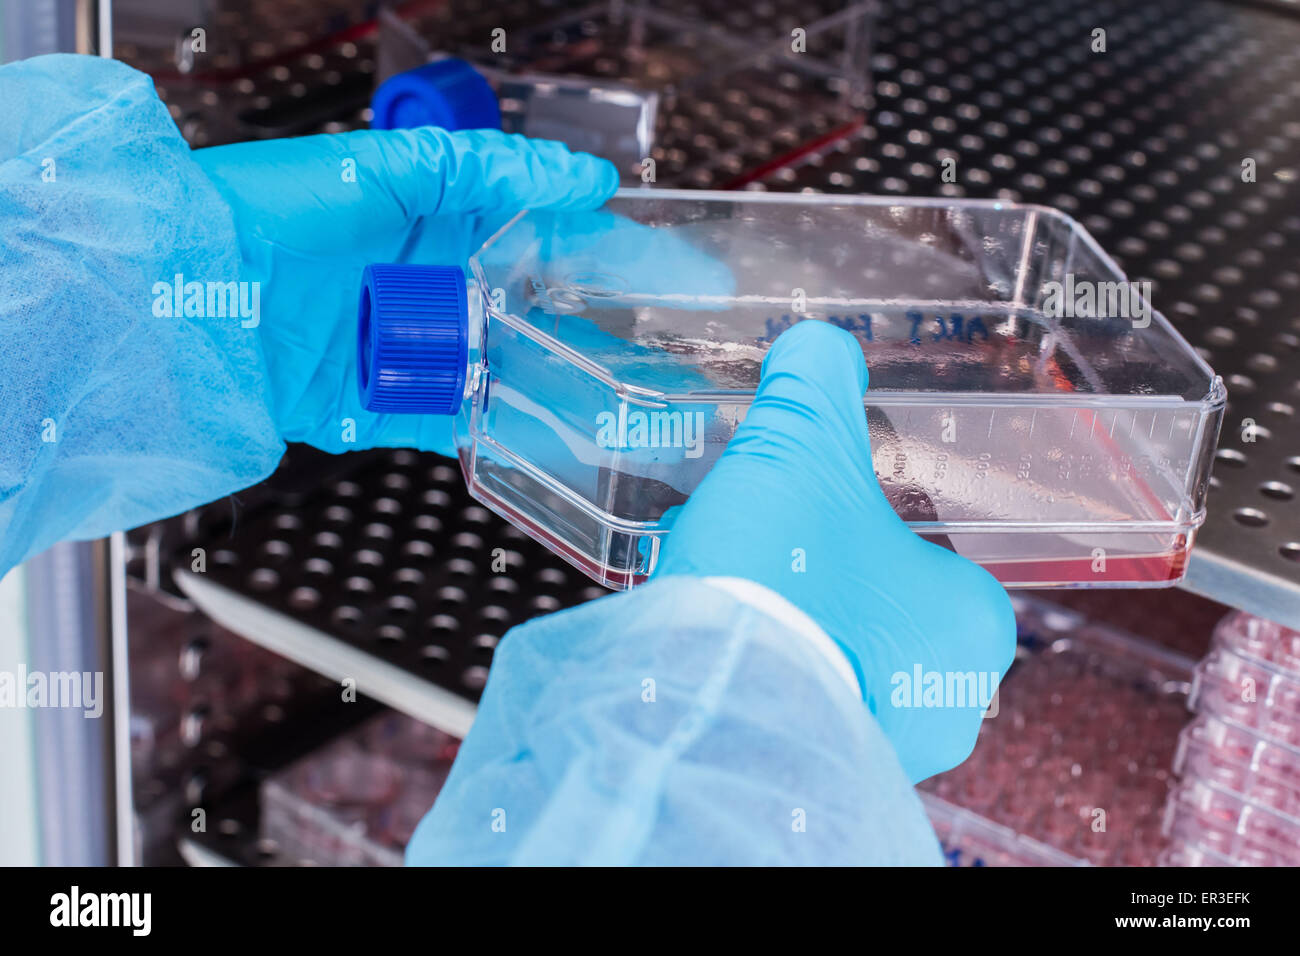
[742, 91]
[1027, 407]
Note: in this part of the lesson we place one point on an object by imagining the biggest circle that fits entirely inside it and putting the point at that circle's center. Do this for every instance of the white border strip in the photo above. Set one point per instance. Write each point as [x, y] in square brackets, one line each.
[318, 651]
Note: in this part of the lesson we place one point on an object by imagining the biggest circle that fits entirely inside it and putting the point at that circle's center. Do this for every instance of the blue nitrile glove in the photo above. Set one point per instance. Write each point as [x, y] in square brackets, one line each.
[312, 213]
[793, 504]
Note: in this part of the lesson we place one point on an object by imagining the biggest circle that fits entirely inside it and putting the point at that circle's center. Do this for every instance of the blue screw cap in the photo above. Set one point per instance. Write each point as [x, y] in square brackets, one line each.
[448, 93]
[412, 339]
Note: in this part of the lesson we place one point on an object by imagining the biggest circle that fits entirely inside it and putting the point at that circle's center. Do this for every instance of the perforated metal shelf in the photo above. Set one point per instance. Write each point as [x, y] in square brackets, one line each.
[1144, 143]
[392, 576]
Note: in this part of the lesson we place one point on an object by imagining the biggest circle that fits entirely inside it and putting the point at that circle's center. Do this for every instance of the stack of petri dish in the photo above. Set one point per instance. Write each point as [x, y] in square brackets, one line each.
[1238, 802]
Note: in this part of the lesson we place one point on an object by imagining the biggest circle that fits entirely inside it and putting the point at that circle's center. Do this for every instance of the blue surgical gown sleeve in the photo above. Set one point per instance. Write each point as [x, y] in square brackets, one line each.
[689, 721]
[116, 408]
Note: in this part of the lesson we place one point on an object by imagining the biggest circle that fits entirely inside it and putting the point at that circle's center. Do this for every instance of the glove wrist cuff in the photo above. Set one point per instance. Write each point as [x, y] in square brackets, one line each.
[777, 607]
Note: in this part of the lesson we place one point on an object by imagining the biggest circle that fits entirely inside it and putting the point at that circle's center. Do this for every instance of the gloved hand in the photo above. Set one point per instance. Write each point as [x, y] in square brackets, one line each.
[793, 504]
[311, 213]
[120, 405]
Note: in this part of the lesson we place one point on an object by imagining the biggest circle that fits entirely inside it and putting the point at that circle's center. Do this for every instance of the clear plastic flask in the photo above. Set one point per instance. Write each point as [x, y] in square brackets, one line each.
[598, 363]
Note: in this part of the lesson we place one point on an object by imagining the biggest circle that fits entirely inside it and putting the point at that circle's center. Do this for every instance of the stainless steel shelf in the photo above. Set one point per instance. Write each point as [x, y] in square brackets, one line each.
[1143, 143]
[1245, 585]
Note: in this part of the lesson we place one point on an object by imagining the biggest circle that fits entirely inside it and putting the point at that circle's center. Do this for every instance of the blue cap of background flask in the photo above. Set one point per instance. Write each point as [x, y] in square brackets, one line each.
[448, 93]
[412, 339]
